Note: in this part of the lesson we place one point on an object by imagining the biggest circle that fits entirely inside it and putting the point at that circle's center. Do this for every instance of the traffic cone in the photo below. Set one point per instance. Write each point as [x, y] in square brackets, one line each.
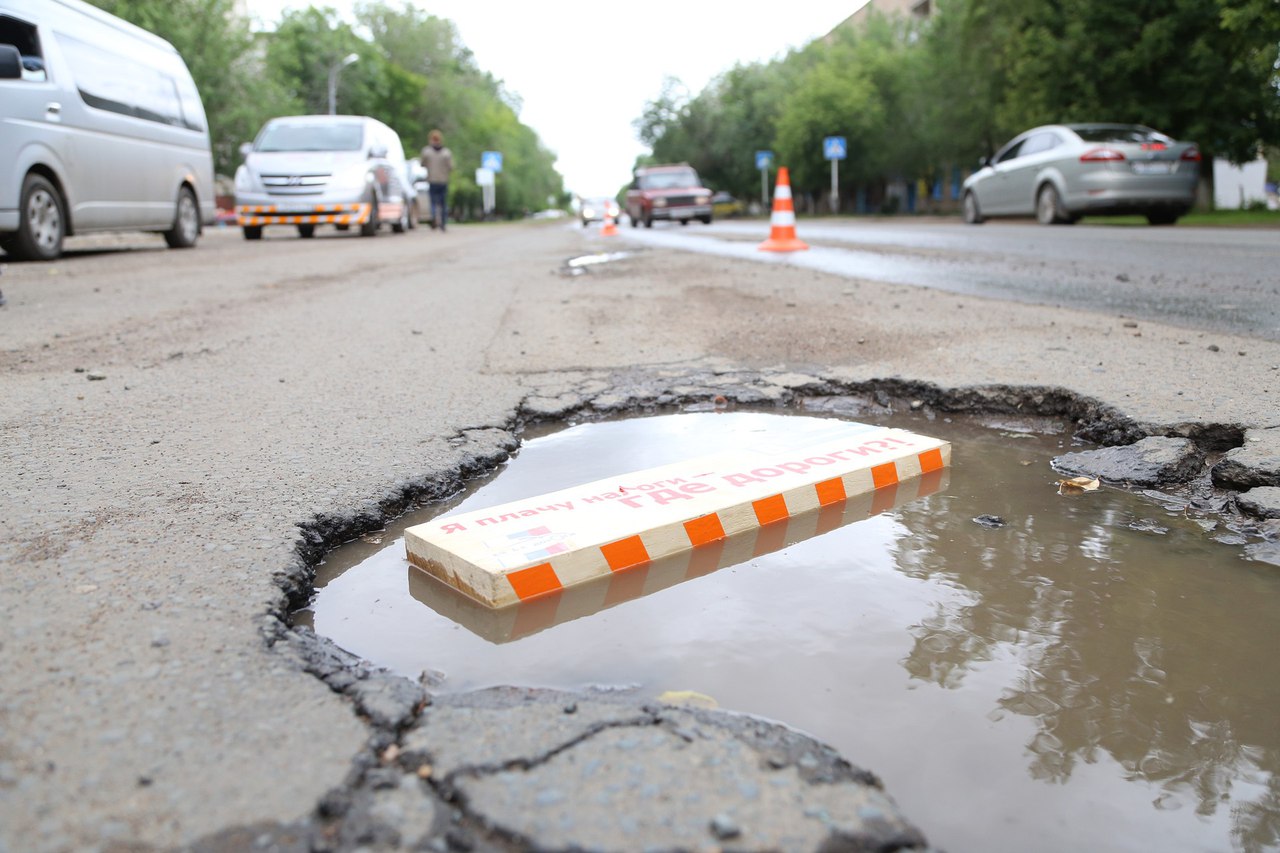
[782, 233]
[609, 229]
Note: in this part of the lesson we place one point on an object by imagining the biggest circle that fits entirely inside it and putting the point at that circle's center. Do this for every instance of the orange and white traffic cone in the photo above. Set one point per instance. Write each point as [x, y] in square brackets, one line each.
[609, 228]
[782, 232]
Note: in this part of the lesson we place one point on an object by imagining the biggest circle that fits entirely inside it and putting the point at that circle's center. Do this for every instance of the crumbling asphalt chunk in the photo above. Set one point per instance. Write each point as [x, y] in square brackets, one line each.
[623, 773]
[1255, 463]
[1261, 502]
[1153, 461]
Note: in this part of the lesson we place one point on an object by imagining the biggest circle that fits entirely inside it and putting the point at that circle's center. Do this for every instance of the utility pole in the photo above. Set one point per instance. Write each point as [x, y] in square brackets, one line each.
[333, 80]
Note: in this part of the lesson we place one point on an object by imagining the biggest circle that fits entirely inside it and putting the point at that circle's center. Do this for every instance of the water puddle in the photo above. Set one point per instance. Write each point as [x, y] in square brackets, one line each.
[1095, 670]
[581, 264]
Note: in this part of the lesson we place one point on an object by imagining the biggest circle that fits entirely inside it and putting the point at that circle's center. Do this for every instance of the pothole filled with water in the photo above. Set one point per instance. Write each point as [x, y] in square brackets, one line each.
[1094, 672]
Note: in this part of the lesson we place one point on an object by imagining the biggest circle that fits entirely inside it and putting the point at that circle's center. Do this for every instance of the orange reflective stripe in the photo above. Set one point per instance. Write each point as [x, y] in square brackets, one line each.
[884, 475]
[931, 460]
[830, 491]
[769, 510]
[534, 581]
[625, 553]
[705, 529]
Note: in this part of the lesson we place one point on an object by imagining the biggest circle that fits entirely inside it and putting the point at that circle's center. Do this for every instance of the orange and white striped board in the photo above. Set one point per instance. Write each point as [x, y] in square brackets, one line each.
[356, 213]
[505, 624]
[537, 546]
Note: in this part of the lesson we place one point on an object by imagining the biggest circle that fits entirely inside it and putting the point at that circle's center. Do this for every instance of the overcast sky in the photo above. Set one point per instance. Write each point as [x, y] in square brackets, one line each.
[585, 68]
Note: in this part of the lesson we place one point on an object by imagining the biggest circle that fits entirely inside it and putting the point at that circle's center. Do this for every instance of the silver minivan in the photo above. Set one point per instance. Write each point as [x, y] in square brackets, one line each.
[338, 170]
[101, 129]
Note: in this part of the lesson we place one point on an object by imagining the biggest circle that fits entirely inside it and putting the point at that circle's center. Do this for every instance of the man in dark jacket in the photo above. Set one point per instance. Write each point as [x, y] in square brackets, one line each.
[438, 162]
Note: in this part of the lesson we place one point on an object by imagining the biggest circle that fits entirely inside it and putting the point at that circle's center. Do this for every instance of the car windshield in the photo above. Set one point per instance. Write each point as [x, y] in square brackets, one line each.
[319, 136]
[1120, 133]
[669, 180]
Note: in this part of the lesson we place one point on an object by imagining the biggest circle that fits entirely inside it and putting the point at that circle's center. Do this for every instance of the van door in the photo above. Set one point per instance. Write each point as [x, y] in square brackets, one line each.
[31, 115]
[114, 161]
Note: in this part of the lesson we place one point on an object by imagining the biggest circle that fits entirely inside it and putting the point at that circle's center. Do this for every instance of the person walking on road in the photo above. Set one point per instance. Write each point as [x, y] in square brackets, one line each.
[438, 161]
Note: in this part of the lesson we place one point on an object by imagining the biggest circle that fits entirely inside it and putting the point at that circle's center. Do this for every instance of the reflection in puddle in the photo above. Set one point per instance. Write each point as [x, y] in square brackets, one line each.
[592, 260]
[1094, 673]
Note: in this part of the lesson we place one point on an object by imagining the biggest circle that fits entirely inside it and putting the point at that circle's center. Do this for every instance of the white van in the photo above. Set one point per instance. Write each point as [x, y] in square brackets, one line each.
[314, 170]
[101, 129]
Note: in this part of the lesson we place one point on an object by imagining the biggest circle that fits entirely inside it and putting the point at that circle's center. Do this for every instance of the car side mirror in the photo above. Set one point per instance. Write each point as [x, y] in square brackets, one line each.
[246, 148]
[10, 63]
[377, 152]
[984, 162]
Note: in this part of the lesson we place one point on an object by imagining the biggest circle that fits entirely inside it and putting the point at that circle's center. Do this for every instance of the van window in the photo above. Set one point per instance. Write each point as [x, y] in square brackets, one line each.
[115, 83]
[318, 136]
[23, 36]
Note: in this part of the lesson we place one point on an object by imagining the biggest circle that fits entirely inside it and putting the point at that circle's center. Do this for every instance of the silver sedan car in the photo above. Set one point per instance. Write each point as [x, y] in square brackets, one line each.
[1060, 172]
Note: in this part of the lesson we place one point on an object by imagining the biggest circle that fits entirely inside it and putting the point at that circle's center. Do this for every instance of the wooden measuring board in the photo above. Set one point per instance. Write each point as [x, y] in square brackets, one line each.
[537, 546]
[506, 624]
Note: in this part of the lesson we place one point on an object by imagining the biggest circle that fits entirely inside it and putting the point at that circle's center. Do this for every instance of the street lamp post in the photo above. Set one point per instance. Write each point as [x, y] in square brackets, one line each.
[333, 80]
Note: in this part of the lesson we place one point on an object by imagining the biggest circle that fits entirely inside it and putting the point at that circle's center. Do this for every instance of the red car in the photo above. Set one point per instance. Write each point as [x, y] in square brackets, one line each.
[672, 192]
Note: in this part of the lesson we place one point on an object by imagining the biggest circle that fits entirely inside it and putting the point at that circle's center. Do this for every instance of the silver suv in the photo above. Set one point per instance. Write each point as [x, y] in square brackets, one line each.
[323, 170]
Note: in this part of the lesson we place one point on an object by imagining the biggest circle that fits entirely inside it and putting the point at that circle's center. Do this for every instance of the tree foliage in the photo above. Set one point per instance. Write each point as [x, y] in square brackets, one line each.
[412, 72]
[916, 98]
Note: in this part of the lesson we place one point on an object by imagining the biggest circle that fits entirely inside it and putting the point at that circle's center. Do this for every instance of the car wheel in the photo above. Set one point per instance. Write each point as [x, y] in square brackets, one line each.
[186, 221]
[705, 220]
[648, 220]
[370, 228]
[41, 225]
[253, 232]
[972, 214]
[1049, 207]
[413, 216]
[635, 220]
[1162, 217]
[307, 231]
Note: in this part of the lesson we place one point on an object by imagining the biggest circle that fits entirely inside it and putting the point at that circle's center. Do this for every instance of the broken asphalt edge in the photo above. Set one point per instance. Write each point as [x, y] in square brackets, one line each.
[392, 705]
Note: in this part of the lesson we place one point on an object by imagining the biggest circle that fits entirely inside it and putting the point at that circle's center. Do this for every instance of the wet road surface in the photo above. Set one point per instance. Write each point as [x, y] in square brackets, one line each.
[1205, 278]
[185, 432]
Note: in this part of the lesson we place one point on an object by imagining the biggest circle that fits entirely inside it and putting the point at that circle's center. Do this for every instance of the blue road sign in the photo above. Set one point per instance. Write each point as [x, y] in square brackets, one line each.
[834, 148]
[491, 160]
[764, 159]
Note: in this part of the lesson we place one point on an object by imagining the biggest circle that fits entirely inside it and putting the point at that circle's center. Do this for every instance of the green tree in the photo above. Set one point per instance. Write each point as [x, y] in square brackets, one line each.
[835, 96]
[1196, 69]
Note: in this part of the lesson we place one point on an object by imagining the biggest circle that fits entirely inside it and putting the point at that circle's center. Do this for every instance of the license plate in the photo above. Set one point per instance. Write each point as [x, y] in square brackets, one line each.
[1153, 168]
[681, 212]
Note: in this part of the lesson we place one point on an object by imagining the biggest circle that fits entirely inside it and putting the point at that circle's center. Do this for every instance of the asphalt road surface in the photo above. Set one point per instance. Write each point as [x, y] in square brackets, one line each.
[170, 419]
[1199, 278]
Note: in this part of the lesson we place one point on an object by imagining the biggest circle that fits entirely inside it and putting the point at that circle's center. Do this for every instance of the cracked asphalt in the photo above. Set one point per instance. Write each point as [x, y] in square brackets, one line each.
[184, 434]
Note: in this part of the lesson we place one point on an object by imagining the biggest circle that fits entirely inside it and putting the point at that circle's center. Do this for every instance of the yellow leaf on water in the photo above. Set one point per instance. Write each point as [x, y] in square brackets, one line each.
[688, 697]
[1077, 485]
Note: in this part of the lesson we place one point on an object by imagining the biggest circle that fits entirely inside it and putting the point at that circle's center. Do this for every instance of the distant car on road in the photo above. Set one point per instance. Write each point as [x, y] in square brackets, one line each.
[672, 192]
[725, 205]
[1061, 172]
[320, 169]
[596, 209]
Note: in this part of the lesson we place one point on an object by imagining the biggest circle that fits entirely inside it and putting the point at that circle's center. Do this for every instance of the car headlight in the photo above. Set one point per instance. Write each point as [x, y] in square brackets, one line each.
[702, 199]
[245, 181]
[659, 202]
